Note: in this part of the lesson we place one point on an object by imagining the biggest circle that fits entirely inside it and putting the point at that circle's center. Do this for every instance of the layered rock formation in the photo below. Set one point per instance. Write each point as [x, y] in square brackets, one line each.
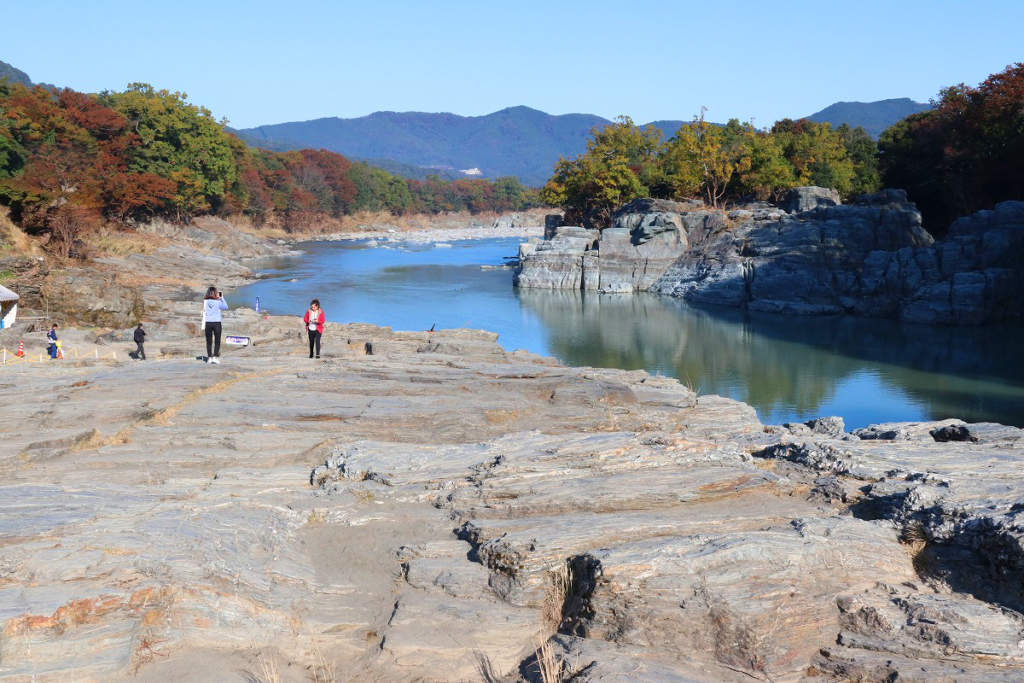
[435, 510]
[645, 238]
[870, 258]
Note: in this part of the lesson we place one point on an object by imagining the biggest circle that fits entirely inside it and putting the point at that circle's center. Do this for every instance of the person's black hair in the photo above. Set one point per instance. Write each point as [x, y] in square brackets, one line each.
[211, 293]
[315, 301]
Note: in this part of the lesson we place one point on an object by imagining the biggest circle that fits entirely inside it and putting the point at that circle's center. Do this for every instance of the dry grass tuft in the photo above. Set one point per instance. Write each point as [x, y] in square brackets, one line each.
[269, 672]
[323, 672]
[560, 583]
[121, 243]
[317, 516]
[363, 495]
[12, 238]
[552, 666]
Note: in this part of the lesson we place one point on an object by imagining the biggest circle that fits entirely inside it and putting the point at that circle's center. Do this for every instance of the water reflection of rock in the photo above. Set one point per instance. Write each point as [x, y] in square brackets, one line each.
[785, 364]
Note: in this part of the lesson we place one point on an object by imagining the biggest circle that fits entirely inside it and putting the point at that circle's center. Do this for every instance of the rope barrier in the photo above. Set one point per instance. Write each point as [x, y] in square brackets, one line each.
[6, 356]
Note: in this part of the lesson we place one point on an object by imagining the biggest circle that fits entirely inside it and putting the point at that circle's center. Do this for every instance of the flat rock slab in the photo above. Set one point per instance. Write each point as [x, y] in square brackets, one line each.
[444, 507]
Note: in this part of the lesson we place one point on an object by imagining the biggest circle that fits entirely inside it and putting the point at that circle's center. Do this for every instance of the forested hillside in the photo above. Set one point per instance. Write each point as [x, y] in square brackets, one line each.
[714, 163]
[71, 162]
[964, 155]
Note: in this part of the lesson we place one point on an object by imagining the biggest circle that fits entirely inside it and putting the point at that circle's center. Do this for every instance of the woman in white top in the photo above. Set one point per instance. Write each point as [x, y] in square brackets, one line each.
[213, 304]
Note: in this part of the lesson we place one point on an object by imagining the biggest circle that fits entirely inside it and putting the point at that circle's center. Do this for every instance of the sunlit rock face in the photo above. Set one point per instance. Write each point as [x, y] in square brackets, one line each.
[813, 256]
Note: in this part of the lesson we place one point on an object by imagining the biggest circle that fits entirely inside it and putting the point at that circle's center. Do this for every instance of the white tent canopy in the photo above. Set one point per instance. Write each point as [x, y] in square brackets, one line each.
[8, 307]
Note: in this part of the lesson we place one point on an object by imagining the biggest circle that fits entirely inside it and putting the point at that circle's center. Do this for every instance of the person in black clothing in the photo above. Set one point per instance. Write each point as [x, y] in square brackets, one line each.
[140, 340]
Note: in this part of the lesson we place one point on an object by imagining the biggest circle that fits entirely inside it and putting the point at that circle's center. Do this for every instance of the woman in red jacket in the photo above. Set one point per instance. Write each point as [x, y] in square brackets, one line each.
[314, 323]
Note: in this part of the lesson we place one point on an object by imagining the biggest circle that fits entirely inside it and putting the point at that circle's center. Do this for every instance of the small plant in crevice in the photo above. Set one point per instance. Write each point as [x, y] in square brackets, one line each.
[484, 667]
[915, 537]
[567, 606]
[269, 671]
[553, 666]
[323, 672]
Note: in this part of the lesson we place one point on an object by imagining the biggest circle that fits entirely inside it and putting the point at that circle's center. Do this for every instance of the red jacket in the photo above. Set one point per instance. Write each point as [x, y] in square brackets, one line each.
[319, 320]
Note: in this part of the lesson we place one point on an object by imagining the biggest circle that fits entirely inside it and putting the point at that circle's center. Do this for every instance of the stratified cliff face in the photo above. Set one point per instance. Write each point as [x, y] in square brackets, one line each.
[869, 258]
[815, 260]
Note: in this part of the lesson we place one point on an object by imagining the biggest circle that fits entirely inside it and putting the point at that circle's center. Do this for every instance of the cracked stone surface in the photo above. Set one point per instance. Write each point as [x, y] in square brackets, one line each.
[425, 507]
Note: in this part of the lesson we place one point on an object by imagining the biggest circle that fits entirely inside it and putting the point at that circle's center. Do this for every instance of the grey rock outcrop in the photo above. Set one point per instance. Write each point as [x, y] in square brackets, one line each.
[801, 199]
[870, 258]
[810, 262]
[556, 263]
[645, 238]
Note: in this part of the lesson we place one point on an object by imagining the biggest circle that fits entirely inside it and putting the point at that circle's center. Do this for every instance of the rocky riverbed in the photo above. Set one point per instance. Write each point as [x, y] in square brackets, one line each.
[433, 507]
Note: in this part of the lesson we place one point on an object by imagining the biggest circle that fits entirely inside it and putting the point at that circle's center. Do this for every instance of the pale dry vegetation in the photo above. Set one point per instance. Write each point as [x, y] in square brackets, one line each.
[13, 239]
[370, 222]
[108, 241]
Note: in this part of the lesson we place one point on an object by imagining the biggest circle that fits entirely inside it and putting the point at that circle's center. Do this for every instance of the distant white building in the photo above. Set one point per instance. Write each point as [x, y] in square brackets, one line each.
[8, 307]
[471, 171]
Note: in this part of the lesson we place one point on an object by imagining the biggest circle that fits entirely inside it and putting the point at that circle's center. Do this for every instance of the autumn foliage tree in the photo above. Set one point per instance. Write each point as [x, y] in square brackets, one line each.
[69, 161]
[618, 161]
[708, 161]
[965, 154]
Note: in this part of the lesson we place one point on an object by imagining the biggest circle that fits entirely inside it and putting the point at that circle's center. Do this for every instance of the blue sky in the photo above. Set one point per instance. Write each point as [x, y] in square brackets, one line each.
[262, 62]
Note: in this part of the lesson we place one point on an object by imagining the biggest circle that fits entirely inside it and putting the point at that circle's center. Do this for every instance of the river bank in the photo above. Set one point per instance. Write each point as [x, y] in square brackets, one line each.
[437, 236]
[420, 228]
[131, 276]
[423, 506]
[421, 502]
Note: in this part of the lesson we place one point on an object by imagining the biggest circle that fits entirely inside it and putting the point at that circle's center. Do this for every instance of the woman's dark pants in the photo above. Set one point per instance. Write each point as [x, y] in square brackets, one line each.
[213, 340]
[314, 340]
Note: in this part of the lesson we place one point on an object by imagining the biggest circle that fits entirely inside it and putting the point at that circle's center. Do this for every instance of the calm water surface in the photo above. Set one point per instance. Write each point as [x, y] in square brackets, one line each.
[788, 368]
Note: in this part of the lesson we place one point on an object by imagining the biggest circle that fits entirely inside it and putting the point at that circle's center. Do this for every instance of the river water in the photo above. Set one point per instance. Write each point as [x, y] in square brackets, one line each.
[789, 368]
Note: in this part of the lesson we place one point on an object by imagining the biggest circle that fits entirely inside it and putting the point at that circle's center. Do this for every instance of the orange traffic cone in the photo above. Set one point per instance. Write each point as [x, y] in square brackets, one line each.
[21, 350]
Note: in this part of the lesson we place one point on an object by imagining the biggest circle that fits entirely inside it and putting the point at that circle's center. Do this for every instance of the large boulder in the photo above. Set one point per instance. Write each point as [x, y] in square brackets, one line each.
[556, 263]
[801, 199]
[645, 238]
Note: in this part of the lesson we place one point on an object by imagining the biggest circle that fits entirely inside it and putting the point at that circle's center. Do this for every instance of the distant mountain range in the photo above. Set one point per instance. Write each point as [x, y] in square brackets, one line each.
[14, 75]
[517, 141]
[874, 117]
